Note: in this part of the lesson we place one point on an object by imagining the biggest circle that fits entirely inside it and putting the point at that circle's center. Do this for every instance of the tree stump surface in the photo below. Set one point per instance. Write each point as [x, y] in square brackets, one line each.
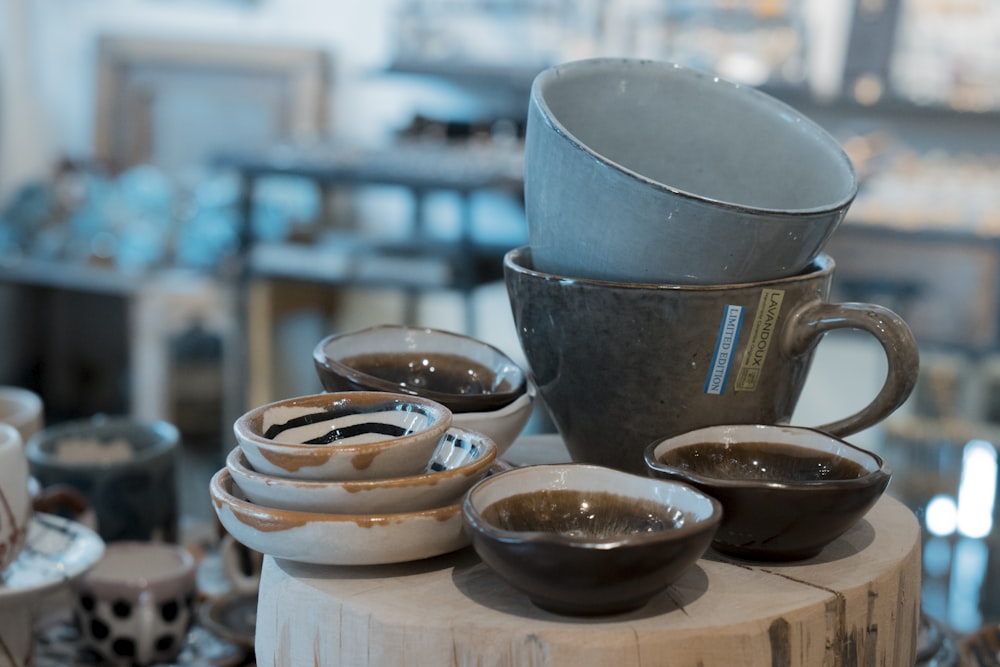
[856, 603]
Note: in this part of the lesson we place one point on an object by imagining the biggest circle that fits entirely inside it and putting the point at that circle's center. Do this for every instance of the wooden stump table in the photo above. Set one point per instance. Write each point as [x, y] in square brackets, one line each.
[857, 603]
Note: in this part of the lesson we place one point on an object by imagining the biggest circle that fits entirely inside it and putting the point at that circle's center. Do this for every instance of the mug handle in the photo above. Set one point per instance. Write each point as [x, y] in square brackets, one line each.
[807, 326]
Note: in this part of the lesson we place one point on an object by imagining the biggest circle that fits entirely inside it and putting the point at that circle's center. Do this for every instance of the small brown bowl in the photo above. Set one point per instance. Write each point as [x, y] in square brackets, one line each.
[786, 491]
[460, 372]
[587, 540]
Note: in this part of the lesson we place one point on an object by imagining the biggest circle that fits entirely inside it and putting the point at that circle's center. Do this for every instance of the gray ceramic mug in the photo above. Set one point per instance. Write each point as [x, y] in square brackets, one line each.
[644, 171]
[620, 365]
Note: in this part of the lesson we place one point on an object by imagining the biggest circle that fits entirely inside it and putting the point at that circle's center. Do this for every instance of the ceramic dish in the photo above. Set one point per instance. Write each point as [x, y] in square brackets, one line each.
[336, 539]
[231, 617]
[580, 539]
[343, 436]
[463, 373]
[502, 425]
[57, 552]
[461, 459]
[786, 491]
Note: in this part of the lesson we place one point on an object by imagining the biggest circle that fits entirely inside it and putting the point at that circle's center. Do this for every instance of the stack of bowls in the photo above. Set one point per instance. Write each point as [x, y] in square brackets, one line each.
[350, 478]
[483, 387]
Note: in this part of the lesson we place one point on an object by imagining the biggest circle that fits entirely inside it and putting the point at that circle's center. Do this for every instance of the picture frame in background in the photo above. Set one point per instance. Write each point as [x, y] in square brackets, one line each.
[176, 103]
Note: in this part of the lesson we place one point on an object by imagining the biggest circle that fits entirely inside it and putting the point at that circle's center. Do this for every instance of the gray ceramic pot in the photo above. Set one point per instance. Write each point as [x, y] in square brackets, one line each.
[126, 470]
[621, 365]
[641, 171]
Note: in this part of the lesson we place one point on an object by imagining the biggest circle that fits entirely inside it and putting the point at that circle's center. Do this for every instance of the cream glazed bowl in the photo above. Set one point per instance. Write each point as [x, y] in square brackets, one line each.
[461, 459]
[343, 436]
[502, 425]
[336, 539]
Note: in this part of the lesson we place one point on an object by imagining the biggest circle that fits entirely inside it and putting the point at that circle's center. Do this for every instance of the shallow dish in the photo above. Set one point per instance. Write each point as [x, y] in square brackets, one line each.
[580, 539]
[461, 459]
[343, 436]
[463, 373]
[336, 539]
[786, 491]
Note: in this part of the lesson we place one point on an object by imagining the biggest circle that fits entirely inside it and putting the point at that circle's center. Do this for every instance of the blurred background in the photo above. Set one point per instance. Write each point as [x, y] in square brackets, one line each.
[194, 192]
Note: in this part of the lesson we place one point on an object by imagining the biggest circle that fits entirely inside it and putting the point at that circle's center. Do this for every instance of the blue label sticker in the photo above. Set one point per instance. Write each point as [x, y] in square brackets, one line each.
[725, 350]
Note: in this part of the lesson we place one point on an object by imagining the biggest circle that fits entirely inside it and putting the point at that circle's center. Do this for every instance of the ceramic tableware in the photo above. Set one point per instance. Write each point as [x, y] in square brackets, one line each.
[336, 539]
[461, 459]
[503, 425]
[342, 436]
[650, 172]
[136, 605]
[23, 409]
[587, 540]
[786, 492]
[620, 365]
[15, 503]
[57, 552]
[125, 468]
[463, 373]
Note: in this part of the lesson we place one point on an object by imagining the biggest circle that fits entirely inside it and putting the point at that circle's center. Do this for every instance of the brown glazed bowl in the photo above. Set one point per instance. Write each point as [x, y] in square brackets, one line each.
[586, 540]
[786, 491]
[460, 372]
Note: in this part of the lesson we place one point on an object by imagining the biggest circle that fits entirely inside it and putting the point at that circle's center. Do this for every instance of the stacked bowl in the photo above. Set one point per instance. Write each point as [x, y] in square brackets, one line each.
[483, 387]
[350, 478]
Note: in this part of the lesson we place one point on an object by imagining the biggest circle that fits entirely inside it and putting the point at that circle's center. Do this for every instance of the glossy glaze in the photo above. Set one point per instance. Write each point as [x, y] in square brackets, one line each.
[587, 540]
[776, 505]
[462, 458]
[458, 371]
[336, 539]
[502, 425]
[343, 435]
[621, 365]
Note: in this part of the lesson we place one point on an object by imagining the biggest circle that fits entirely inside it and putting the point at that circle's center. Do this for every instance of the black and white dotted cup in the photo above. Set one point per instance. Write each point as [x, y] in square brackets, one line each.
[136, 605]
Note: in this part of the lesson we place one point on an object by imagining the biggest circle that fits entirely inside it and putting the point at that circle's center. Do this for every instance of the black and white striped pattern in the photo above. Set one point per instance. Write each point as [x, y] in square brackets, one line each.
[456, 449]
[346, 425]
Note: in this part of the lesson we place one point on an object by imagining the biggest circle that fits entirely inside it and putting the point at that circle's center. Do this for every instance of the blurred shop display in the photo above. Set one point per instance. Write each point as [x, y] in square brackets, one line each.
[142, 219]
[752, 41]
[948, 53]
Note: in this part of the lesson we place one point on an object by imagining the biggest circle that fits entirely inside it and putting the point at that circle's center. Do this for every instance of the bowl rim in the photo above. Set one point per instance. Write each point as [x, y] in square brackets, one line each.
[518, 386]
[872, 477]
[520, 262]
[237, 462]
[439, 415]
[164, 437]
[222, 488]
[603, 66]
[692, 528]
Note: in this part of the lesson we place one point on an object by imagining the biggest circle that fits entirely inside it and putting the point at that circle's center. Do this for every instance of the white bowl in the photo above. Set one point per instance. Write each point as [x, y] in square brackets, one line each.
[461, 459]
[502, 426]
[336, 539]
[343, 436]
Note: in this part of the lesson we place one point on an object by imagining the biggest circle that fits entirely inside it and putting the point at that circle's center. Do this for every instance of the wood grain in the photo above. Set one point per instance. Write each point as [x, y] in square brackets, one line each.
[857, 603]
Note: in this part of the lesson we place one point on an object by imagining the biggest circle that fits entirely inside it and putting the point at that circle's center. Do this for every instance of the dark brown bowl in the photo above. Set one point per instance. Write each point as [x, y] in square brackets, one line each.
[786, 492]
[463, 373]
[587, 540]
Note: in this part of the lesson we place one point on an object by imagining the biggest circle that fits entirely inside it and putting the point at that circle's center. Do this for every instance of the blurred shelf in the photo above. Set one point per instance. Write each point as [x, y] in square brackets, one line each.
[67, 275]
